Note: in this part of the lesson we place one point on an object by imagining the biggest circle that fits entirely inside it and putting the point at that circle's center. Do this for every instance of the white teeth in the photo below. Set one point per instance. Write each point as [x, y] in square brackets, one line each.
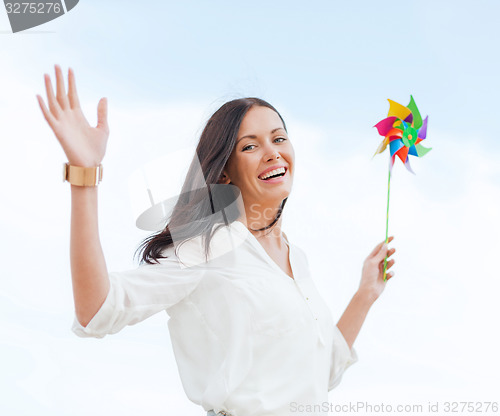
[273, 172]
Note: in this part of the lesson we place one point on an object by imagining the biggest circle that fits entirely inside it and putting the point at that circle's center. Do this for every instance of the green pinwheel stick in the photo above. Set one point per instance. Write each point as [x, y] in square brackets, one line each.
[403, 130]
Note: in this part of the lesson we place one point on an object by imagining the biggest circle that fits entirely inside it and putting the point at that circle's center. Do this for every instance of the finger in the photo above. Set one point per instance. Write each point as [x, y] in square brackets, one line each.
[390, 252]
[46, 113]
[390, 263]
[53, 104]
[74, 102]
[102, 114]
[378, 247]
[62, 99]
[390, 274]
[383, 253]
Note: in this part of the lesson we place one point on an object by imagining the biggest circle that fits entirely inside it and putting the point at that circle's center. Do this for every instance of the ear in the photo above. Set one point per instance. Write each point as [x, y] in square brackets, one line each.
[224, 179]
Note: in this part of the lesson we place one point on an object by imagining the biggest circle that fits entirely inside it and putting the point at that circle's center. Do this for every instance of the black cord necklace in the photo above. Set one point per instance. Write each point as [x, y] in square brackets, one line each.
[278, 215]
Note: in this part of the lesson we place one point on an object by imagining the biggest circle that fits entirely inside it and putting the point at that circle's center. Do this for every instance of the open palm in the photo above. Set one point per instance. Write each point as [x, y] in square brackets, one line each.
[83, 144]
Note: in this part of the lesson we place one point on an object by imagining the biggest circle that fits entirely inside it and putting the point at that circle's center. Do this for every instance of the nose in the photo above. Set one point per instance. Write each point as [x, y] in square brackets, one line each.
[274, 155]
[271, 154]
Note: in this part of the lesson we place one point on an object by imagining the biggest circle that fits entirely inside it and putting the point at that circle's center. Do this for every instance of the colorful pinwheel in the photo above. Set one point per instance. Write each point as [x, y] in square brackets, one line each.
[403, 130]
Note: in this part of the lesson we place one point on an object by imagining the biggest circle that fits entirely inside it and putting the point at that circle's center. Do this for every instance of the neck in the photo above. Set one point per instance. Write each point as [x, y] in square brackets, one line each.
[259, 216]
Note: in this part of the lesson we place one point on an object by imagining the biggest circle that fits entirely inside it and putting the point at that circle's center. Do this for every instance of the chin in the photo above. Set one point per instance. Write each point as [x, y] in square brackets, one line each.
[280, 196]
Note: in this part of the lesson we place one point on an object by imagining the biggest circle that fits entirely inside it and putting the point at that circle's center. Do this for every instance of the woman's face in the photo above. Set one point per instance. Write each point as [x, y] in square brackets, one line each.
[262, 146]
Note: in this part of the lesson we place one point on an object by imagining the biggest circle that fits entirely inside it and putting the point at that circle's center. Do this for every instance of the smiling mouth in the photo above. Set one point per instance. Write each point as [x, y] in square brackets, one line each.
[276, 173]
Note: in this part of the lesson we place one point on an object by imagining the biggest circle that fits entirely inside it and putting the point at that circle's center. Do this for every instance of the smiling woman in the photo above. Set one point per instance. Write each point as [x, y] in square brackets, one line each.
[262, 165]
[251, 334]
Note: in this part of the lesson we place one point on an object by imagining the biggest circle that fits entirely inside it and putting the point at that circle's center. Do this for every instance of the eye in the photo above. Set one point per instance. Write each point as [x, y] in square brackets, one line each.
[251, 146]
[247, 147]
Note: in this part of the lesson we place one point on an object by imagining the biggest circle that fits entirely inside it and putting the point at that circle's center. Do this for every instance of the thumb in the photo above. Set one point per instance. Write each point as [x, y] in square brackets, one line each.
[102, 114]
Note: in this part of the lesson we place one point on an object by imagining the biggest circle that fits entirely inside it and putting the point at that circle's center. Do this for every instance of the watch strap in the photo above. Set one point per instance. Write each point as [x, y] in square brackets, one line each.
[80, 176]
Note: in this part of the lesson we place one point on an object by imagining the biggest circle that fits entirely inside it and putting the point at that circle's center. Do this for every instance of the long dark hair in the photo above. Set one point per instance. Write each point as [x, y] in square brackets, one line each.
[202, 201]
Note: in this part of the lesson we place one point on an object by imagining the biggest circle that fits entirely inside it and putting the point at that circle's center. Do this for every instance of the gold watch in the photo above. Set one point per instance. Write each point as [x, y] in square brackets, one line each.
[79, 176]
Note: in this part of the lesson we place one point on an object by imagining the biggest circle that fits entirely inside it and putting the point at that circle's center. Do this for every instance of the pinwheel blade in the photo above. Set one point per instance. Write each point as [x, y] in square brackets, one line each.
[403, 154]
[421, 150]
[407, 164]
[394, 134]
[422, 133]
[398, 110]
[391, 162]
[417, 118]
[382, 146]
[398, 124]
[385, 125]
[395, 145]
[412, 151]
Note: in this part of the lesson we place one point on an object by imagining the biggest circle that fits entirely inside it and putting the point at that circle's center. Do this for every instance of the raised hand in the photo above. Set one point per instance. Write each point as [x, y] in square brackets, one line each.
[83, 144]
[372, 276]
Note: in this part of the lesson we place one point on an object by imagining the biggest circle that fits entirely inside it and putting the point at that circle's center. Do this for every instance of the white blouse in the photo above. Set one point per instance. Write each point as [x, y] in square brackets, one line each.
[248, 339]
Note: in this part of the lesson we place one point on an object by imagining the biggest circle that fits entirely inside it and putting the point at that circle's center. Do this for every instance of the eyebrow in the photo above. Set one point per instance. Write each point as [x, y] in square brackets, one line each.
[253, 136]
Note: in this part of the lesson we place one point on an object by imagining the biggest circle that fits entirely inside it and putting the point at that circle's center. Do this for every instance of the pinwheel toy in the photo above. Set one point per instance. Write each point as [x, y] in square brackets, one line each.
[403, 130]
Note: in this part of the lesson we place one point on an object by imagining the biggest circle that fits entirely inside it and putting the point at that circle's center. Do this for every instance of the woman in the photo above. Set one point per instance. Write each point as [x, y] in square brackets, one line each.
[250, 333]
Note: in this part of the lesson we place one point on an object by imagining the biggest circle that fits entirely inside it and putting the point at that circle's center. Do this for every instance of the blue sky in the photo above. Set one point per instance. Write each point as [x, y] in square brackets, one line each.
[328, 67]
[341, 59]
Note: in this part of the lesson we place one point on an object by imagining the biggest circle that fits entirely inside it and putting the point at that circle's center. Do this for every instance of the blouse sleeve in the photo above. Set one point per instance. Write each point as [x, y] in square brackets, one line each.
[342, 358]
[137, 294]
